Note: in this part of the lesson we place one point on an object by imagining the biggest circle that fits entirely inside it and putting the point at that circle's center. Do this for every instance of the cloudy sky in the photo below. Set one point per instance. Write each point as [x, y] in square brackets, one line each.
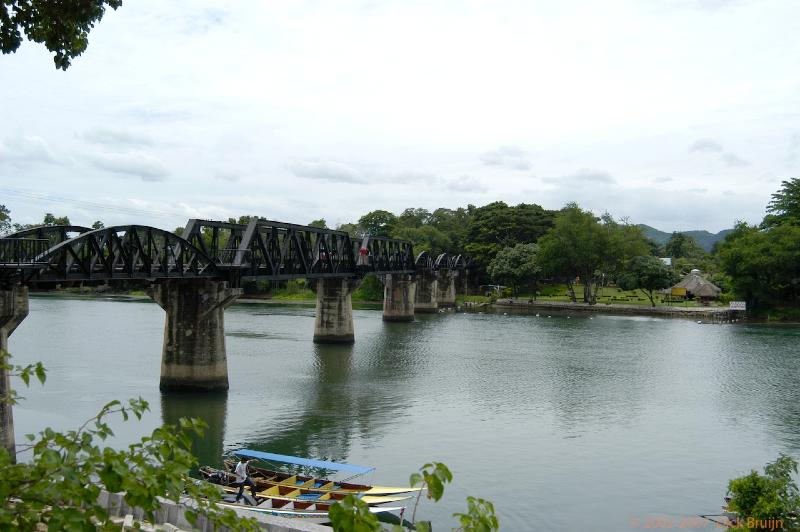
[681, 114]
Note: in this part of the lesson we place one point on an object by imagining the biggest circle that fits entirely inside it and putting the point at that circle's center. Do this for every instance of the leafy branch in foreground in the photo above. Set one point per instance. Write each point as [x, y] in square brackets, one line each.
[353, 514]
[25, 373]
[59, 487]
[762, 501]
[63, 27]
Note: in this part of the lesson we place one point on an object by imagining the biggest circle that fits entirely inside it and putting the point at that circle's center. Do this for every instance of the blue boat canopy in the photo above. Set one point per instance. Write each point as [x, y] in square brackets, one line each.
[285, 458]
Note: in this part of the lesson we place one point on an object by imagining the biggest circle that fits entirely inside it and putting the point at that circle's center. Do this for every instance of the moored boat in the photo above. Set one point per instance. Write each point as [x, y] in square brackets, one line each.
[315, 512]
[266, 478]
[287, 492]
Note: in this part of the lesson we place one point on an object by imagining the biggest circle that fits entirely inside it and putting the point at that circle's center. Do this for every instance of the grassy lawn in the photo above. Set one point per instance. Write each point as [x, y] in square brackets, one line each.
[294, 291]
[606, 296]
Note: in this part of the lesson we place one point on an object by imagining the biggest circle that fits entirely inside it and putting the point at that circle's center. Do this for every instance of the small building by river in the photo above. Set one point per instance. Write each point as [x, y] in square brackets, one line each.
[698, 287]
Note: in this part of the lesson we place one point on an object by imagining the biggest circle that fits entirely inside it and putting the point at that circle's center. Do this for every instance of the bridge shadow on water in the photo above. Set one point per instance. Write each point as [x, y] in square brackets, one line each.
[211, 408]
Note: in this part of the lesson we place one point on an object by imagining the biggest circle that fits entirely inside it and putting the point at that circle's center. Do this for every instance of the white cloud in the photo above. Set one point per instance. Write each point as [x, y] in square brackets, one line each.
[227, 175]
[336, 172]
[507, 157]
[111, 136]
[326, 171]
[465, 184]
[23, 150]
[142, 165]
[711, 146]
[706, 145]
[584, 176]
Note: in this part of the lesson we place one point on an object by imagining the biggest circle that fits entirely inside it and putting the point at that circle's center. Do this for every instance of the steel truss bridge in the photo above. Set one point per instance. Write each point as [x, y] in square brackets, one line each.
[223, 251]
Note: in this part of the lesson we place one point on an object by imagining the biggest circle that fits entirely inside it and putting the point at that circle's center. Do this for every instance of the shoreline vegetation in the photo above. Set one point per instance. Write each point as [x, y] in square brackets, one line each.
[523, 304]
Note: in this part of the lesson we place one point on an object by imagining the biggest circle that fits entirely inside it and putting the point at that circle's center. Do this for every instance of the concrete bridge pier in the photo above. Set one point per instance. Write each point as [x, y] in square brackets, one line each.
[13, 309]
[447, 287]
[334, 315]
[194, 357]
[427, 297]
[399, 291]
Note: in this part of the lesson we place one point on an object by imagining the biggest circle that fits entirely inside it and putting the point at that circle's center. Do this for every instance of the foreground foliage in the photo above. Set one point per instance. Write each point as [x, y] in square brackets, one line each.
[59, 487]
[63, 27]
[353, 515]
[762, 500]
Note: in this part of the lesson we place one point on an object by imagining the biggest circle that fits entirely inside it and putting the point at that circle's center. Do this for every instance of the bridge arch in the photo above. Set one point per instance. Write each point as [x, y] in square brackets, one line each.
[123, 252]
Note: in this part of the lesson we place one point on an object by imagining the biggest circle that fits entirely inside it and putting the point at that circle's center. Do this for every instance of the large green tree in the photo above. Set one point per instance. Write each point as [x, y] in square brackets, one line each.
[413, 217]
[377, 223]
[5, 219]
[516, 266]
[496, 226]
[648, 274]
[61, 25]
[784, 208]
[453, 223]
[681, 245]
[763, 265]
[583, 245]
[425, 238]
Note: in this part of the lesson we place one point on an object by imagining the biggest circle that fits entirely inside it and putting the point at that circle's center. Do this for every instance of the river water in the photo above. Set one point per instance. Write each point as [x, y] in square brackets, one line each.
[564, 423]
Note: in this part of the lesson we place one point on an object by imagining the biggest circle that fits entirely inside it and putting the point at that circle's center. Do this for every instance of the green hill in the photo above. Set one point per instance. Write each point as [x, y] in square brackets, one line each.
[703, 237]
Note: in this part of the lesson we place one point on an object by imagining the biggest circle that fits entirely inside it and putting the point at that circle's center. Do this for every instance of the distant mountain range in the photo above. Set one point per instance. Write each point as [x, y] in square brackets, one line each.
[703, 237]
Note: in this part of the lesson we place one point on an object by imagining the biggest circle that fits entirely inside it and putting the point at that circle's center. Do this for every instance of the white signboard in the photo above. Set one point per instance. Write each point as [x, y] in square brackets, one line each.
[738, 305]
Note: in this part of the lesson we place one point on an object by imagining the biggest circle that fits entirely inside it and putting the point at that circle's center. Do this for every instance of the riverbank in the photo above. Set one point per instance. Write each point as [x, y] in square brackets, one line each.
[711, 314]
[145, 297]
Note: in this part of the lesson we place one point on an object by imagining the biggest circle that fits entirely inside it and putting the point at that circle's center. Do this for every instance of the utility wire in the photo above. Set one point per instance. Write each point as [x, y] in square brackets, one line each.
[39, 196]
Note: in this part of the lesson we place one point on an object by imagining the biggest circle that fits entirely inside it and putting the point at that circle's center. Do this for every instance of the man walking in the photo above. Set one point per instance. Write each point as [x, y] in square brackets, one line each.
[243, 479]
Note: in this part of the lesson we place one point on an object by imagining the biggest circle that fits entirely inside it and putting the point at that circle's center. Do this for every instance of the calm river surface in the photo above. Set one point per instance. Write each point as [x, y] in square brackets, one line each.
[564, 423]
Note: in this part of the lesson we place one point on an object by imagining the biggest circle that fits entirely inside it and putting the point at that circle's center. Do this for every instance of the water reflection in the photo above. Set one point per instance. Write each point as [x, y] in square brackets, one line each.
[592, 382]
[322, 428]
[350, 394]
[211, 408]
[758, 380]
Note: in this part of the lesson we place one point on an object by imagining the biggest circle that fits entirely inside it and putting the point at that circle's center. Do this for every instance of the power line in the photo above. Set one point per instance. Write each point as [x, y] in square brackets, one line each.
[39, 196]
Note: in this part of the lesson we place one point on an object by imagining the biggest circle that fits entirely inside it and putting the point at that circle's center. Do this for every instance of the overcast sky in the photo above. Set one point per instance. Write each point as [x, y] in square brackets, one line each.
[681, 114]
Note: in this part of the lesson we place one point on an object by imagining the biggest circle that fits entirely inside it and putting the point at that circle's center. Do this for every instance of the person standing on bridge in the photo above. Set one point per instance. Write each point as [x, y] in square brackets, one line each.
[243, 479]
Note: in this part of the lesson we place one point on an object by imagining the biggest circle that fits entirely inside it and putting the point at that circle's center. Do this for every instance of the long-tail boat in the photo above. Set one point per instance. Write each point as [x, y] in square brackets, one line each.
[311, 511]
[266, 478]
[286, 492]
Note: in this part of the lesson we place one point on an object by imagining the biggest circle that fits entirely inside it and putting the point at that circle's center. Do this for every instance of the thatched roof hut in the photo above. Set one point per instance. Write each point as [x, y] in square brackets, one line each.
[696, 286]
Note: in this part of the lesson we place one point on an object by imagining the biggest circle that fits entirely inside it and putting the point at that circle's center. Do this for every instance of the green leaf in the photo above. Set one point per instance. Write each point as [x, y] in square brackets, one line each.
[435, 488]
[41, 373]
[351, 514]
[423, 526]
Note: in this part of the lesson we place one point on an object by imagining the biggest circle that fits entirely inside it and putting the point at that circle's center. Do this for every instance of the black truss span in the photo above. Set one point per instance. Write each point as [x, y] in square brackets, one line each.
[259, 250]
[265, 249]
[122, 252]
[386, 255]
[446, 261]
